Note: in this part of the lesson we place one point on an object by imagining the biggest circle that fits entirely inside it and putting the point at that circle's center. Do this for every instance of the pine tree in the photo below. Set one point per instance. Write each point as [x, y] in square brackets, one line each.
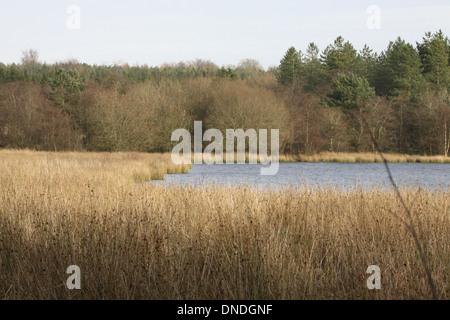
[66, 88]
[434, 54]
[340, 56]
[315, 73]
[290, 67]
[400, 69]
[349, 92]
[365, 62]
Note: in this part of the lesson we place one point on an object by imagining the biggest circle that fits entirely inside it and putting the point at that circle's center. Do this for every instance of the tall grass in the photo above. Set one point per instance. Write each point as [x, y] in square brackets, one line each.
[146, 241]
[349, 157]
[364, 157]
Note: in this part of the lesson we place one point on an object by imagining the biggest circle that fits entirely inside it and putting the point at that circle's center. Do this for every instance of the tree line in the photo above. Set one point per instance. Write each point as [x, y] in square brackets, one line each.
[330, 100]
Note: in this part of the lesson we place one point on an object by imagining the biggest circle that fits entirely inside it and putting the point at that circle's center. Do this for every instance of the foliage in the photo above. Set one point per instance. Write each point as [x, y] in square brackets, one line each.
[330, 100]
[290, 67]
[340, 56]
[350, 91]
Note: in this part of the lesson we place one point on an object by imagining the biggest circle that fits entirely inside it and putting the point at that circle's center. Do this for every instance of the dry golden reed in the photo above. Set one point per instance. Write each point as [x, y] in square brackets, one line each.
[365, 157]
[351, 157]
[135, 240]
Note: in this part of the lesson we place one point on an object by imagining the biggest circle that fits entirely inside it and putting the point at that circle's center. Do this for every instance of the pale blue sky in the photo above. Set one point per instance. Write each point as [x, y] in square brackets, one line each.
[223, 31]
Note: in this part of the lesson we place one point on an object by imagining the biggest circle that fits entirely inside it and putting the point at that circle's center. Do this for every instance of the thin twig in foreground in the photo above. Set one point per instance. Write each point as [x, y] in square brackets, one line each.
[408, 213]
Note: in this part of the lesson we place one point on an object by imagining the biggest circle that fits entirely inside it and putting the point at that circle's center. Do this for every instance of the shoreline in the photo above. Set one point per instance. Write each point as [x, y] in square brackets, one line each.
[325, 156]
[363, 157]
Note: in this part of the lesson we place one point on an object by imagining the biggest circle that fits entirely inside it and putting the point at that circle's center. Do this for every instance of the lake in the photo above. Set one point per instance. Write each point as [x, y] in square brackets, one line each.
[336, 175]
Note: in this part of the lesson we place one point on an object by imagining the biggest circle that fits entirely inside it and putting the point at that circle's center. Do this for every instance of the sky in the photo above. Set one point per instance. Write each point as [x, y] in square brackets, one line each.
[223, 31]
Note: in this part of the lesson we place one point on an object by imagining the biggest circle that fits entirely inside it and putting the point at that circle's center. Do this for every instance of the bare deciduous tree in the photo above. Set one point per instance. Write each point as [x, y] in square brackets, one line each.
[30, 57]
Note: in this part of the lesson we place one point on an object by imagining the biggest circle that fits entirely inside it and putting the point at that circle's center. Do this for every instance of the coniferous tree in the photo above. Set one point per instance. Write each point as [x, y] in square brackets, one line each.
[434, 54]
[400, 69]
[350, 91]
[365, 62]
[351, 94]
[290, 67]
[340, 56]
[314, 72]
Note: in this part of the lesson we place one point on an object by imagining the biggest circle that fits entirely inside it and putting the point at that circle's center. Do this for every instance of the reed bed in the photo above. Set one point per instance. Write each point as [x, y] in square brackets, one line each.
[147, 241]
[348, 157]
[363, 157]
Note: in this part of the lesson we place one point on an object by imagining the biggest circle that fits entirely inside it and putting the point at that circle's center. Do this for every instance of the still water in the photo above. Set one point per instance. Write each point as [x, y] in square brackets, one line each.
[337, 175]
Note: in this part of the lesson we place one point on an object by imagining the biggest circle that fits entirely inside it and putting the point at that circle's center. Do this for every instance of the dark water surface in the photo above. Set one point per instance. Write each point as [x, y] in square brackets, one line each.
[297, 174]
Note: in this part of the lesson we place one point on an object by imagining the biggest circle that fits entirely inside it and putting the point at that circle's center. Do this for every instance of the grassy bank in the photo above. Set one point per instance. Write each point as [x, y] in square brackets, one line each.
[144, 241]
[134, 166]
[363, 157]
[348, 157]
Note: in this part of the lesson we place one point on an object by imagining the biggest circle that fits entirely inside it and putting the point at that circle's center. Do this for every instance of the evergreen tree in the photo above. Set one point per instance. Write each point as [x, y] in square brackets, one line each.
[400, 70]
[315, 74]
[3, 71]
[340, 56]
[226, 73]
[66, 87]
[365, 62]
[434, 54]
[290, 67]
[14, 73]
[349, 92]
